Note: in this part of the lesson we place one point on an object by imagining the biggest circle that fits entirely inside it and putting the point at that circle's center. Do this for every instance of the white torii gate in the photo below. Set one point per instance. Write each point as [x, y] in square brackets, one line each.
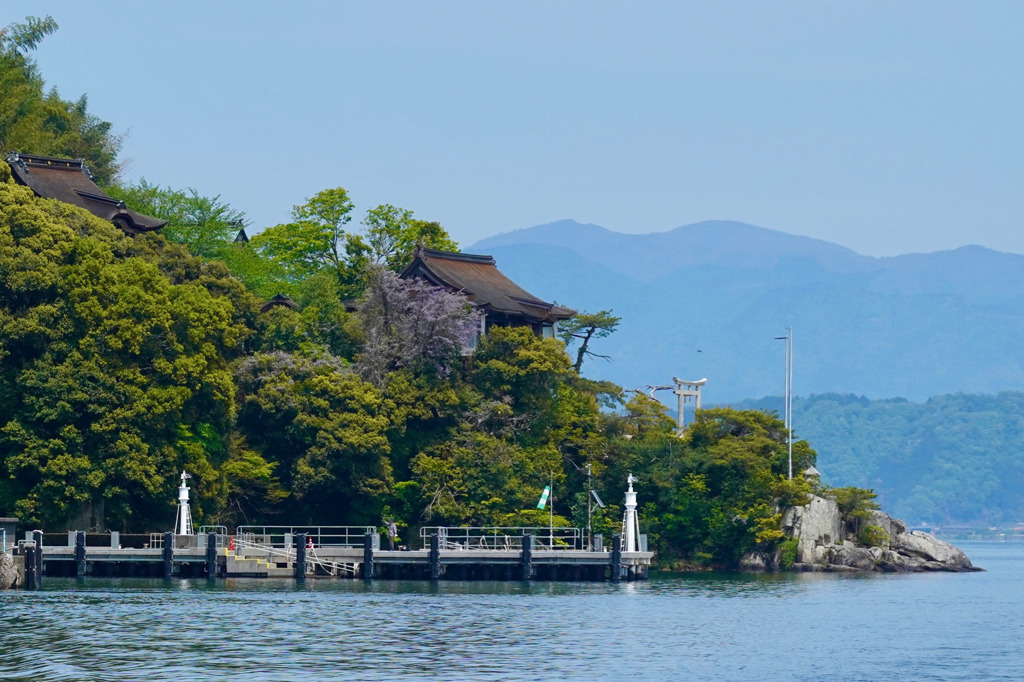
[684, 389]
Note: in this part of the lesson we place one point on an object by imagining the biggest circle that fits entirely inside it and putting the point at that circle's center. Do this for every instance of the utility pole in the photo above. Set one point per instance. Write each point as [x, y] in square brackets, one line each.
[788, 399]
[551, 514]
[590, 493]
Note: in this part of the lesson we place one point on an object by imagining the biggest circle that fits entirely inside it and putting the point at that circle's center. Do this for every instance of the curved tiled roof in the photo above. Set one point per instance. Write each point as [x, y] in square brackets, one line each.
[483, 284]
[68, 180]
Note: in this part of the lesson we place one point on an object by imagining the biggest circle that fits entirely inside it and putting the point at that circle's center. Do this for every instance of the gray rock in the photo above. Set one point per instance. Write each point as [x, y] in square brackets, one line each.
[8, 572]
[924, 548]
[851, 556]
[816, 526]
[753, 561]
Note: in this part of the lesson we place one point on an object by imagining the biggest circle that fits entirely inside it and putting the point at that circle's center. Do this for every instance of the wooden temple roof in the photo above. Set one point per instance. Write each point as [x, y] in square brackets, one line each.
[483, 284]
[279, 300]
[68, 180]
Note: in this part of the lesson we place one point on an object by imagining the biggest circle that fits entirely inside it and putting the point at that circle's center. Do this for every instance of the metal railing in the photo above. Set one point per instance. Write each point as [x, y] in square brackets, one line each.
[322, 536]
[503, 537]
[220, 531]
[288, 555]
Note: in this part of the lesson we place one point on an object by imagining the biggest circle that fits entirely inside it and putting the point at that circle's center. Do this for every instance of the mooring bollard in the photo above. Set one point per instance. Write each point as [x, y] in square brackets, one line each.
[80, 554]
[168, 555]
[526, 558]
[211, 556]
[368, 556]
[300, 557]
[616, 558]
[435, 556]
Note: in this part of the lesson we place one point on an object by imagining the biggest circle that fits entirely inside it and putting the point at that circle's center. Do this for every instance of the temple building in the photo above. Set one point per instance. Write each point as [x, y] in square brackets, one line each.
[69, 180]
[280, 300]
[501, 301]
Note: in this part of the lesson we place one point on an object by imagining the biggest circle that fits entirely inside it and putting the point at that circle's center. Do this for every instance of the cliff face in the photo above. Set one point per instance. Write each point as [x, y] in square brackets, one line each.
[824, 543]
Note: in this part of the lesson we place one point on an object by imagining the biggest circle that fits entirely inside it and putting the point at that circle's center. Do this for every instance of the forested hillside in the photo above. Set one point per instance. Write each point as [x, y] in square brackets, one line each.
[124, 360]
[953, 459]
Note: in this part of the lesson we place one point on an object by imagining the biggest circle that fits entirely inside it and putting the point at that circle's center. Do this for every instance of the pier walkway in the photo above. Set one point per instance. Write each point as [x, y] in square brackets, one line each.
[299, 553]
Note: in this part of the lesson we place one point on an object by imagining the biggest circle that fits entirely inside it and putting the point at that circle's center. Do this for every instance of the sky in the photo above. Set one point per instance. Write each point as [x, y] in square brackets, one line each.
[886, 127]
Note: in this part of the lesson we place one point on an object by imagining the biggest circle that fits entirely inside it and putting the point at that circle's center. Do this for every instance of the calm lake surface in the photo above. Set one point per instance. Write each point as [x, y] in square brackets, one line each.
[743, 627]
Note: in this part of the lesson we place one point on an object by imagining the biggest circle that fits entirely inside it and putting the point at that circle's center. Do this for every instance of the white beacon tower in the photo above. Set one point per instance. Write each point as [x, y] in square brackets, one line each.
[630, 520]
[183, 522]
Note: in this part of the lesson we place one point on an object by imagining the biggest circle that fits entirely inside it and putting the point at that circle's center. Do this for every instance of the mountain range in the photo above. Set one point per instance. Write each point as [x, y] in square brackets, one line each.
[709, 300]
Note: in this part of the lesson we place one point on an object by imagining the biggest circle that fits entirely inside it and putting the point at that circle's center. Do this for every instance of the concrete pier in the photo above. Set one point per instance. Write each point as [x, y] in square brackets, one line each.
[296, 555]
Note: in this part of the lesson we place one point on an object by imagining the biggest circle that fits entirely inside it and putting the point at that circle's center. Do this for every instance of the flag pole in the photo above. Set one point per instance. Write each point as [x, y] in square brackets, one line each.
[551, 514]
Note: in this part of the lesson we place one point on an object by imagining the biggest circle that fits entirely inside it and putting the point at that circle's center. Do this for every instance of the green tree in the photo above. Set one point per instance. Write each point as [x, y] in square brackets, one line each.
[584, 328]
[392, 235]
[324, 428]
[316, 239]
[113, 376]
[206, 225]
[512, 364]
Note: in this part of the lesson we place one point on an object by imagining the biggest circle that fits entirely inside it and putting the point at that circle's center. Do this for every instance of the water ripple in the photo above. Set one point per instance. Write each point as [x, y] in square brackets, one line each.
[798, 627]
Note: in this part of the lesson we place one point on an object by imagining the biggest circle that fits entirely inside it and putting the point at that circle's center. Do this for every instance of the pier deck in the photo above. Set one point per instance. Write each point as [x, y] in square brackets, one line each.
[296, 555]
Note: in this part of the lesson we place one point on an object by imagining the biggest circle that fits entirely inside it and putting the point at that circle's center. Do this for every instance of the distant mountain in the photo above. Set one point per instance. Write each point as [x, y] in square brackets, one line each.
[708, 300]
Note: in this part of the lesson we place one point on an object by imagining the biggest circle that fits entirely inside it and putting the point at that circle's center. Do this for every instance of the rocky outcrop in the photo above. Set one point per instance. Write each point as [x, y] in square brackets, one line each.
[8, 572]
[816, 525]
[824, 545]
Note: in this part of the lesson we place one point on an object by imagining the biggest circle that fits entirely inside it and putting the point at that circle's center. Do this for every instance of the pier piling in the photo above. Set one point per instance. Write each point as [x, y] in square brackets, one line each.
[616, 558]
[31, 582]
[435, 557]
[368, 556]
[168, 556]
[300, 557]
[80, 554]
[526, 558]
[211, 555]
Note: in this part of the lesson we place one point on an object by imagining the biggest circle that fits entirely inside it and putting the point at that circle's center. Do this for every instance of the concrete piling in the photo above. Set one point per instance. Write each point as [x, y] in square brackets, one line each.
[168, 555]
[526, 558]
[31, 581]
[616, 558]
[367, 568]
[300, 557]
[211, 555]
[435, 557]
[80, 554]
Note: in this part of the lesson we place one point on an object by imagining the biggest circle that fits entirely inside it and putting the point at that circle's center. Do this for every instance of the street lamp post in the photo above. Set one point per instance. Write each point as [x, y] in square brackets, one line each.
[590, 491]
[788, 338]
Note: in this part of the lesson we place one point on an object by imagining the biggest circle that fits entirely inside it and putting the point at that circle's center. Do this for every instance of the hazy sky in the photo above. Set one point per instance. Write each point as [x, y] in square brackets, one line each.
[886, 127]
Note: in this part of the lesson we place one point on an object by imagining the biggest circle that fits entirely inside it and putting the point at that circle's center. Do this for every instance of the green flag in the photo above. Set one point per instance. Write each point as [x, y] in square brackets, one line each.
[544, 497]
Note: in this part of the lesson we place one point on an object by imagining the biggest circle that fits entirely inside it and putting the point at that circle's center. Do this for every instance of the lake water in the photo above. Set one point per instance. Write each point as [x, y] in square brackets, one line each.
[743, 627]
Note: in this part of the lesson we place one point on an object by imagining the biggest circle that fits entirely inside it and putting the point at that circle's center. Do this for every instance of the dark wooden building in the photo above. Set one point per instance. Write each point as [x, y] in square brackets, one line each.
[279, 300]
[69, 180]
[502, 301]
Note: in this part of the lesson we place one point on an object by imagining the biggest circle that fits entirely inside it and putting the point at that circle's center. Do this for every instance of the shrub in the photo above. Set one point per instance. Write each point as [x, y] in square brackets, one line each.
[872, 536]
[787, 553]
